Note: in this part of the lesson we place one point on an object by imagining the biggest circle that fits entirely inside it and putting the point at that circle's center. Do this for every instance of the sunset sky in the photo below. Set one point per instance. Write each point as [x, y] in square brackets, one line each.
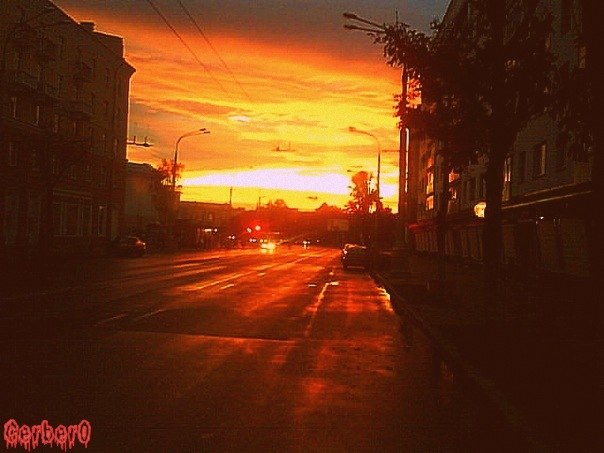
[278, 95]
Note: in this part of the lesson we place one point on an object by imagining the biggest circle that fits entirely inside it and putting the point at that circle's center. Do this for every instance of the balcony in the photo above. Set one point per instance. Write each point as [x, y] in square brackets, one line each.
[21, 80]
[24, 36]
[49, 91]
[32, 86]
[78, 110]
[82, 72]
[47, 50]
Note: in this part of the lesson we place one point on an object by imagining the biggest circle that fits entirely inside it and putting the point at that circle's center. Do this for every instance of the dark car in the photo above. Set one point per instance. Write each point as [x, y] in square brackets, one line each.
[355, 256]
[128, 246]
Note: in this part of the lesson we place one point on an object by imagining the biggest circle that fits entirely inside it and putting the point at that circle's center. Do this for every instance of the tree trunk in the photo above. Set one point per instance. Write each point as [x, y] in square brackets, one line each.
[592, 38]
[492, 241]
[441, 226]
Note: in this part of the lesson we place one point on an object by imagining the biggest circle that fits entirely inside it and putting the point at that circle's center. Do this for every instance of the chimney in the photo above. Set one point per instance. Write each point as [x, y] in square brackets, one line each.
[88, 26]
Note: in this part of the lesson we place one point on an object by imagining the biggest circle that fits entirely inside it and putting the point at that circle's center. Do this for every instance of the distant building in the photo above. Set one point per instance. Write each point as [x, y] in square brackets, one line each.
[204, 225]
[547, 189]
[140, 201]
[64, 91]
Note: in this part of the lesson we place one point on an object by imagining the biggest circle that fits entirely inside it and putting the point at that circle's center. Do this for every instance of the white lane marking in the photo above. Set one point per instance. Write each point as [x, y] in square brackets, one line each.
[314, 308]
[218, 282]
[113, 318]
[230, 285]
[146, 315]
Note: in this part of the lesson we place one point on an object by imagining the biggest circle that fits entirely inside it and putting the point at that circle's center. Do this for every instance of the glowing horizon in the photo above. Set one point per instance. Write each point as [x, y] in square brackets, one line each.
[278, 119]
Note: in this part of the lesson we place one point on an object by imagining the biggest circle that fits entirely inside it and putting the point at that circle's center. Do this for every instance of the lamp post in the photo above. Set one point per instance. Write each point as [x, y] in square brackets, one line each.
[378, 203]
[201, 131]
[374, 28]
[354, 130]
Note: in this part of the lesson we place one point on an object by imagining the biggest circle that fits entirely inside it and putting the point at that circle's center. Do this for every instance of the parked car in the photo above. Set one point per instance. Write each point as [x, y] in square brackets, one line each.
[355, 256]
[128, 246]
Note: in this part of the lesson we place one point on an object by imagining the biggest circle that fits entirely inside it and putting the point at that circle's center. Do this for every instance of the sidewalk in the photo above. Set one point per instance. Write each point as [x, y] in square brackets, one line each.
[540, 365]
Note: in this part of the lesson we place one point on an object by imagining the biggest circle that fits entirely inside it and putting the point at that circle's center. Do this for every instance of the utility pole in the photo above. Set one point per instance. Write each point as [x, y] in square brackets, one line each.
[403, 159]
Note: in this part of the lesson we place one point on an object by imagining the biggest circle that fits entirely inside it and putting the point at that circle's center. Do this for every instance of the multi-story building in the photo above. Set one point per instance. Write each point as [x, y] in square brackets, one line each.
[547, 189]
[202, 224]
[63, 124]
[141, 199]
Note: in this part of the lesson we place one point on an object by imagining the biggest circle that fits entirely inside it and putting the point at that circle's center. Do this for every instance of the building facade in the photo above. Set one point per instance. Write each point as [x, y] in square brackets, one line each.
[547, 195]
[64, 90]
[204, 225]
[140, 202]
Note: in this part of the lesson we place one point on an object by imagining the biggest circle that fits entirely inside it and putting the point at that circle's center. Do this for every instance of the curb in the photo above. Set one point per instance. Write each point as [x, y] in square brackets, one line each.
[512, 415]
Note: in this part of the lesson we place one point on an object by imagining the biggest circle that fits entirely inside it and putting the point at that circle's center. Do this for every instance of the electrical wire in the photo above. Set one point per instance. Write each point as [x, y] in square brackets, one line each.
[184, 43]
[207, 40]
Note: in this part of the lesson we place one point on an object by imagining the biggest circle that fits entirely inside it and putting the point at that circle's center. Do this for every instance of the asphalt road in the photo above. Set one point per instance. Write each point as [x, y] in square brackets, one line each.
[239, 351]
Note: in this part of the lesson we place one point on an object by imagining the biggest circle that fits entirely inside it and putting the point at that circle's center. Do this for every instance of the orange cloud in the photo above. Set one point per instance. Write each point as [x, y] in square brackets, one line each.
[293, 92]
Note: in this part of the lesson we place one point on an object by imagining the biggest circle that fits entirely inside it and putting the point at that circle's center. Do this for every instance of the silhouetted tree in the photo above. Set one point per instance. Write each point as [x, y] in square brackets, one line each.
[166, 199]
[327, 210]
[481, 81]
[363, 197]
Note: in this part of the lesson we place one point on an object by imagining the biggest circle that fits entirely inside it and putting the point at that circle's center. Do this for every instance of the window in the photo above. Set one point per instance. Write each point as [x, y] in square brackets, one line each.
[507, 170]
[70, 219]
[73, 172]
[37, 115]
[87, 172]
[452, 193]
[507, 179]
[56, 218]
[539, 157]
[107, 77]
[55, 165]
[92, 138]
[11, 216]
[521, 166]
[92, 99]
[430, 203]
[106, 109]
[471, 189]
[18, 60]
[429, 182]
[61, 47]
[56, 121]
[37, 72]
[548, 42]
[35, 165]
[582, 56]
[561, 147]
[102, 177]
[12, 155]
[481, 186]
[13, 106]
[59, 84]
[84, 226]
[565, 15]
[101, 220]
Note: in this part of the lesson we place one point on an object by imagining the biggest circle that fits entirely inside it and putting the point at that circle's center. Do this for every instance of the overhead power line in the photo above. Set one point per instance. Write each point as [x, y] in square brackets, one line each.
[207, 40]
[184, 43]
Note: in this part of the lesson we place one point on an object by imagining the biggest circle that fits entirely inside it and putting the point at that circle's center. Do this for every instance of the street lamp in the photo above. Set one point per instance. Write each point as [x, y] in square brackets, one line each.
[380, 29]
[144, 144]
[201, 131]
[354, 130]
